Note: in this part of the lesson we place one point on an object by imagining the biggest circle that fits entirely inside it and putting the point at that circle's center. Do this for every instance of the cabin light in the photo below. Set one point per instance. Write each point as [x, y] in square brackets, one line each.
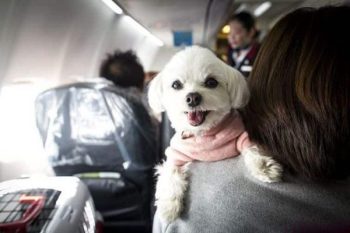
[136, 25]
[226, 29]
[113, 6]
[156, 40]
[241, 7]
[143, 30]
[262, 8]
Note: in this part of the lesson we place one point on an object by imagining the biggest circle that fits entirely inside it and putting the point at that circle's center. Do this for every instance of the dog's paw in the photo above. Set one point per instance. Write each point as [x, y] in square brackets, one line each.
[170, 190]
[262, 167]
[169, 209]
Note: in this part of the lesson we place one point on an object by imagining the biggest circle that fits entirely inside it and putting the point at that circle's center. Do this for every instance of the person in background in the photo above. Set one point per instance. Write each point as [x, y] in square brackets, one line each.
[242, 41]
[127, 74]
[299, 114]
[124, 70]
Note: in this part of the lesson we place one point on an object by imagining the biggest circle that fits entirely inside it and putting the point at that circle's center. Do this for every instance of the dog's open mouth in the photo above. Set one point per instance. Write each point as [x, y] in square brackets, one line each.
[196, 118]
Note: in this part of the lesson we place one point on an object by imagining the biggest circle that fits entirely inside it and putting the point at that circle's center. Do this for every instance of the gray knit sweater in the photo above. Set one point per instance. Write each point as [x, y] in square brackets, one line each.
[223, 197]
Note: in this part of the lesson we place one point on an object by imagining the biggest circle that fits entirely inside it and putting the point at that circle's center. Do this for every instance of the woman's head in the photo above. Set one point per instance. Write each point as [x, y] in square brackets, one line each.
[242, 30]
[300, 93]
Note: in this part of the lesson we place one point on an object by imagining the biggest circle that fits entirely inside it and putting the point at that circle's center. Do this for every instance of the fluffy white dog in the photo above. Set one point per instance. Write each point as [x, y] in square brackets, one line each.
[199, 93]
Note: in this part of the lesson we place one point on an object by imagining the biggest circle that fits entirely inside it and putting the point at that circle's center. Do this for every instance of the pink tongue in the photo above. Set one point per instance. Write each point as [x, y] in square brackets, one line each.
[195, 118]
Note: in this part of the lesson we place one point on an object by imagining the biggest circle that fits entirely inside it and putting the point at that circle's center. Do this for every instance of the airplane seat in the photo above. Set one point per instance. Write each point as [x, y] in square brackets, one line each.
[101, 134]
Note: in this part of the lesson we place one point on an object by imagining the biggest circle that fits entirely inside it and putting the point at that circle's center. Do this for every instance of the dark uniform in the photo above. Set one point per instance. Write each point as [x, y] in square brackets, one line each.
[245, 66]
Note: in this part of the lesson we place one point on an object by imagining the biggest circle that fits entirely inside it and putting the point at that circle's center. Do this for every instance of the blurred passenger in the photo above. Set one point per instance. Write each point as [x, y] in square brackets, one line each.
[125, 71]
[299, 113]
[243, 42]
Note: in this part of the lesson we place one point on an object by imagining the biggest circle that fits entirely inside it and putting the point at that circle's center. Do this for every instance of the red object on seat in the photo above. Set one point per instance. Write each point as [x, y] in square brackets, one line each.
[36, 204]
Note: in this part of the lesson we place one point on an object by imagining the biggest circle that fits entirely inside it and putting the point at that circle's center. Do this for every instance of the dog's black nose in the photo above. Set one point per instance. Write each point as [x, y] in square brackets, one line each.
[193, 99]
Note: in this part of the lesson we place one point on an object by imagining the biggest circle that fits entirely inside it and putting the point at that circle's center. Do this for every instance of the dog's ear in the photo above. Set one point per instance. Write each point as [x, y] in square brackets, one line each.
[155, 93]
[237, 88]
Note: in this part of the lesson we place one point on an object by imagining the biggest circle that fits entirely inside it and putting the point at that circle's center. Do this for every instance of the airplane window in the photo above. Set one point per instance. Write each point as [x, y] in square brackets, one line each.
[21, 146]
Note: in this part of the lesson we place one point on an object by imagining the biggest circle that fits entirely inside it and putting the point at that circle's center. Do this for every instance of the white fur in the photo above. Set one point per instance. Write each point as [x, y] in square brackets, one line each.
[191, 67]
[262, 167]
[170, 190]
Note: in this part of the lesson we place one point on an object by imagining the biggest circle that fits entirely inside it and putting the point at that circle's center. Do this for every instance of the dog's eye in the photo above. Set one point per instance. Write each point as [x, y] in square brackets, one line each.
[211, 83]
[177, 85]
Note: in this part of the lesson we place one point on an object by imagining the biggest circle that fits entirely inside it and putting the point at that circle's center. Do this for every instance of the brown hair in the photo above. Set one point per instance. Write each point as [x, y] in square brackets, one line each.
[300, 93]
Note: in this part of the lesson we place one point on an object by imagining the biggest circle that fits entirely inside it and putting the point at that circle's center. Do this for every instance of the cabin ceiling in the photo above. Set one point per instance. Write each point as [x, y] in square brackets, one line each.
[162, 17]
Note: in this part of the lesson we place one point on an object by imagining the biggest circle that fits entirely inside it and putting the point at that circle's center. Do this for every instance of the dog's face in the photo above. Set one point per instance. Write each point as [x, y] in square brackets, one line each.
[197, 90]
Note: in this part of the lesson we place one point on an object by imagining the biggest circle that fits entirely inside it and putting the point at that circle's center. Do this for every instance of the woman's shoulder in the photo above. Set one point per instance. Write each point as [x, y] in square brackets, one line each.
[224, 197]
[233, 176]
[219, 172]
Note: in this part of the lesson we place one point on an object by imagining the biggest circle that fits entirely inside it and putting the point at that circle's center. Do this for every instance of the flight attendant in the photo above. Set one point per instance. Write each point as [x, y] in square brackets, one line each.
[242, 40]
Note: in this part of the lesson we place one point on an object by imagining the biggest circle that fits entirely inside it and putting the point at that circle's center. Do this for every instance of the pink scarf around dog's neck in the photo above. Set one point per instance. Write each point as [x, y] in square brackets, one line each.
[224, 141]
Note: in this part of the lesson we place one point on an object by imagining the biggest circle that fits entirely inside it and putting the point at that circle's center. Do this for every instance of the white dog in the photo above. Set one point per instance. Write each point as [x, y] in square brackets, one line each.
[199, 93]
